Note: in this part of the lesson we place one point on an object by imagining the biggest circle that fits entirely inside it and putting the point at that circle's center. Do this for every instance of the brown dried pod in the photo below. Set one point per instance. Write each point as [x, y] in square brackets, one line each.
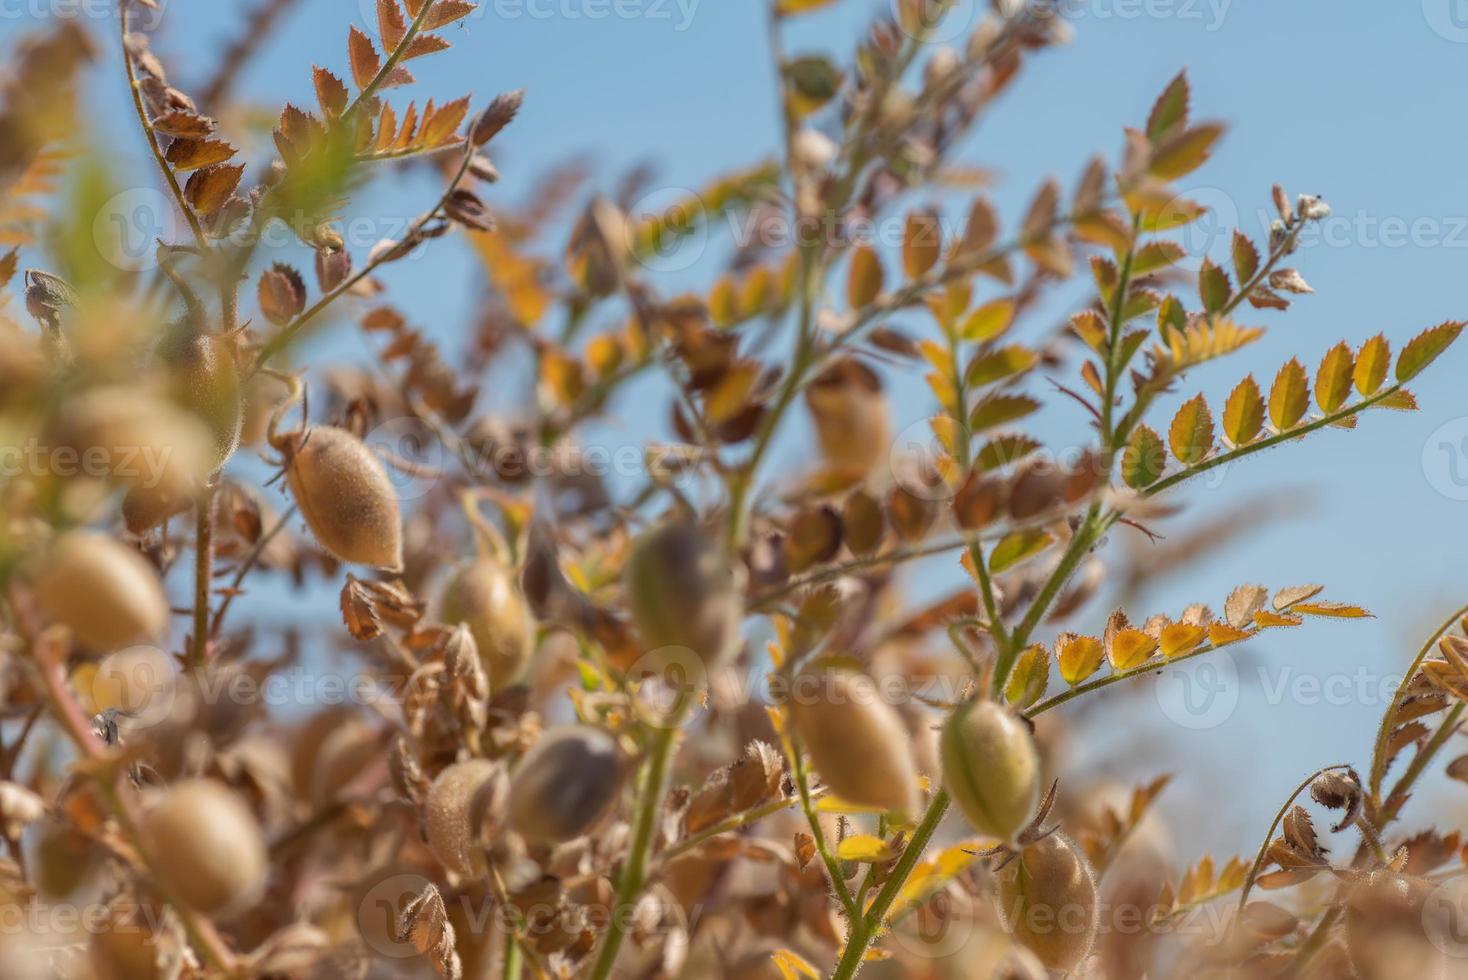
[203, 379]
[1048, 899]
[346, 497]
[991, 768]
[851, 417]
[103, 590]
[206, 847]
[565, 784]
[483, 595]
[857, 741]
[464, 803]
[1393, 921]
[685, 591]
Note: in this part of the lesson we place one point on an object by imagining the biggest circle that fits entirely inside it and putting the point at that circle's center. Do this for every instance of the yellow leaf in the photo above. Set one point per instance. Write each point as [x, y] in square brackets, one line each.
[1191, 434]
[1185, 151]
[1372, 364]
[936, 871]
[1130, 648]
[1265, 619]
[1222, 634]
[792, 966]
[834, 804]
[864, 847]
[790, 8]
[922, 243]
[1333, 380]
[1180, 638]
[1243, 414]
[988, 321]
[1000, 364]
[1289, 397]
[1078, 657]
[1339, 610]
[1425, 348]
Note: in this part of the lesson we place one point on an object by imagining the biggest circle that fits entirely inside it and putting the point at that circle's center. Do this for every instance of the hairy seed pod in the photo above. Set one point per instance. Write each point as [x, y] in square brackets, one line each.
[464, 803]
[851, 417]
[991, 768]
[565, 784]
[1047, 896]
[207, 847]
[346, 497]
[144, 508]
[684, 592]
[483, 595]
[103, 590]
[203, 379]
[856, 740]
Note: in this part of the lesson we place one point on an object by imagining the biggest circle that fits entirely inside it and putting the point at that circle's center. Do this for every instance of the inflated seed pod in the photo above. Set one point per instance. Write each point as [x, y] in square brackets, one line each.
[144, 508]
[684, 591]
[203, 379]
[465, 801]
[857, 741]
[565, 784]
[1047, 896]
[850, 414]
[991, 768]
[346, 497]
[483, 595]
[103, 590]
[207, 847]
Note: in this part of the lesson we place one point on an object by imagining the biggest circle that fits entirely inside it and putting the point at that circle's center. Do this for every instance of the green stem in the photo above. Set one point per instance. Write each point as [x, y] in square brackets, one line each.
[1274, 440]
[634, 871]
[833, 867]
[513, 962]
[391, 63]
[1149, 667]
[865, 930]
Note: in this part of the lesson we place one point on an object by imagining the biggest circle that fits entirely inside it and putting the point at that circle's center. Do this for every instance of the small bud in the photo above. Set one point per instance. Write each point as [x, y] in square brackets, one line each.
[501, 113]
[1313, 208]
[1337, 790]
[812, 151]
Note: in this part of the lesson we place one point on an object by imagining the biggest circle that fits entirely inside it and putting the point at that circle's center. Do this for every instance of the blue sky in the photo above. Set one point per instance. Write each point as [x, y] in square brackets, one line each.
[1350, 101]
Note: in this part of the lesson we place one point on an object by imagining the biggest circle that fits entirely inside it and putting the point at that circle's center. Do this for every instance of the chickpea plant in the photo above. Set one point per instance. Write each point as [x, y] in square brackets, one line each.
[556, 777]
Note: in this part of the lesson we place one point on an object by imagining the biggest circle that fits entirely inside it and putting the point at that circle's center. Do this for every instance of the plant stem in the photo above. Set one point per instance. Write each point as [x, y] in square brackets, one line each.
[1148, 667]
[1383, 734]
[142, 112]
[203, 574]
[644, 828]
[392, 61]
[865, 930]
[730, 824]
[513, 962]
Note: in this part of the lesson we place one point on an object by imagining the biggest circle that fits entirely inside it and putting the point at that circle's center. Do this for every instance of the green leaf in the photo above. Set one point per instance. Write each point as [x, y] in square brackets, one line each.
[1000, 364]
[1425, 348]
[1246, 258]
[1333, 380]
[1243, 413]
[1017, 547]
[1289, 397]
[1213, 287]
[1171, 109]
[1005, 451]
[1155, 256]
[1372, 364]
[1191, 433]
[1182, 153]
[1144, 459]
[999, 410]
[814, 80]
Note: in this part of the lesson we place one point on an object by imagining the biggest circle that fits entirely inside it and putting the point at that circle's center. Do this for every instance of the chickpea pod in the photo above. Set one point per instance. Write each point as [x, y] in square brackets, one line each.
[684, 592]
[991, 768]
[565, 784]
[857, 741]
[483, 595]
[465, 800]
[1048, 899]
[103, 590]
[207, 847]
